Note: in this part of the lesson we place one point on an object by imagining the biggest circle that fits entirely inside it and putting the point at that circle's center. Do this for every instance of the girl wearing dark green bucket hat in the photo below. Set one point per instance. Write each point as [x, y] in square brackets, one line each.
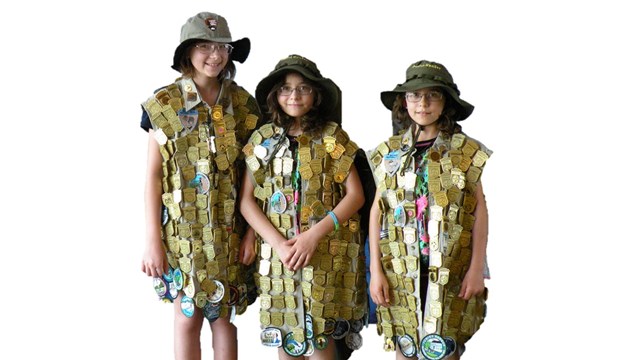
[301, 193]
[197, 126]
[428, 234]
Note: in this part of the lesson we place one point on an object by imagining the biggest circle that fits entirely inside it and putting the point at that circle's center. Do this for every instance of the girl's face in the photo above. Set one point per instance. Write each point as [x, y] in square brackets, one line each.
[295, 97]
[425, 105]
[209, 58]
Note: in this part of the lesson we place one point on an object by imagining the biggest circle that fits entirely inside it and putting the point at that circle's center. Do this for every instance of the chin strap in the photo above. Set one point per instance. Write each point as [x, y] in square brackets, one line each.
[419, 128]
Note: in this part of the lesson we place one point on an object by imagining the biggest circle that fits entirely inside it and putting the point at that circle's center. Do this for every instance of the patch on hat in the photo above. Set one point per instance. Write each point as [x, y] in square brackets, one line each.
[211, 23]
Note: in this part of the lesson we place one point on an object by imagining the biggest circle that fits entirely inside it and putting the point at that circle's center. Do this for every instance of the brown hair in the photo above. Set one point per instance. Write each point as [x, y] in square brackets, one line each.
[447, 122]
[311, 122]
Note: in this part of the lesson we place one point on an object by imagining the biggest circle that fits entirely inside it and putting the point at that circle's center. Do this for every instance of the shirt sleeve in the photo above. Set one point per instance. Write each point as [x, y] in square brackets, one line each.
[145, 122]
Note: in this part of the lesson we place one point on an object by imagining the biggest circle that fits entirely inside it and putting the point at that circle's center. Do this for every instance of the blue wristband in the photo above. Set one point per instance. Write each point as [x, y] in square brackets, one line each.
[336, 224]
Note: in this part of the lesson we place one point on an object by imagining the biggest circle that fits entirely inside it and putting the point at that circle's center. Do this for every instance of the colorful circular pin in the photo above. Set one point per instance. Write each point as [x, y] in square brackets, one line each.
[160, 286]
[407, 346]
[341, 330]
[278, 202]
[354, 341]
[178, 279]
[329, 326]
[173, 292]
[271, 337]
[310, 348]
[211, 311]
[433, 347]
[201, 183]
[308, 326]
[292, 347]
[168, 277]
[187, 306]
[321, 342]
[217, 295]
[451, 345]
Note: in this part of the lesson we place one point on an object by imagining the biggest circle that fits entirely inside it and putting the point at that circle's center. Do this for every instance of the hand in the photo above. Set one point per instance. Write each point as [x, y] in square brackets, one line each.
[282, 248]
[379, 289]
[472, 284]
[154, 259]
[303, 247]
[247, 251]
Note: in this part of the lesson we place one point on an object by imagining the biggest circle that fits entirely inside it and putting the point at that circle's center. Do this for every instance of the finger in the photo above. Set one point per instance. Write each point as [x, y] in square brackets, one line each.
[385, 293]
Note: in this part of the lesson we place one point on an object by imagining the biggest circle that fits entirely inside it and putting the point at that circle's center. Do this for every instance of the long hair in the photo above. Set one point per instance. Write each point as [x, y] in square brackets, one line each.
[311, 122]
[447, 122]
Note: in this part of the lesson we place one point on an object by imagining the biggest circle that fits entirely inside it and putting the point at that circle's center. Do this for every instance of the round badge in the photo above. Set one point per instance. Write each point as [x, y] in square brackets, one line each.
[321, 342]
[399, 216]
[354, 341]
[178, 279]
[391, 162]
[173, 292]
[217, 295]
[329, 326]
[407, 346]
[433, 347]
[278, 202]
[160, 286]
[293, 347]
[168, 277]
[271, 337]
[341, 330]
[308, 326]
[233, 295]
[187, 306]
[211, 311]
[310, 349]
[451, 345]
[201, 183]
[357, 325]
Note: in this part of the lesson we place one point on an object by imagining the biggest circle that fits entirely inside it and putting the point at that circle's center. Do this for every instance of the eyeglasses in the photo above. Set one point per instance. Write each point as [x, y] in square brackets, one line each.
[431, 95]
[301, 90]
[210, 48]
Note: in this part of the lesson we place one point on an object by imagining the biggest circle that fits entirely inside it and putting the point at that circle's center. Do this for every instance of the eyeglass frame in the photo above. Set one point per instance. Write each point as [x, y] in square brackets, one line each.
[281, 90]
[211, 47]
[426, 95]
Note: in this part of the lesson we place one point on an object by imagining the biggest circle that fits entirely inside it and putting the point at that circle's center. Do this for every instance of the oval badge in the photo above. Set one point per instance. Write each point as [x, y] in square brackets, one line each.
[278, 202]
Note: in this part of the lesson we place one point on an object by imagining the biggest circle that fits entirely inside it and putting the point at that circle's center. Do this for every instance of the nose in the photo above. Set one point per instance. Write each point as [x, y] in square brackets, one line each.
[294, 94]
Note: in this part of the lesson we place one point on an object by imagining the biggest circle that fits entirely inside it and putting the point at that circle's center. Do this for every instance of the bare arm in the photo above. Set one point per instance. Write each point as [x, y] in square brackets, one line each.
[379, 286]
[473, 282]
[154, 261]
[306, 243]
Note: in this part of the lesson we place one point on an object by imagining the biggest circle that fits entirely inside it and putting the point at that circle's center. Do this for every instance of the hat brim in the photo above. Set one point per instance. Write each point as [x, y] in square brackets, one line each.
[240, 53]
[331, 96]
[389, 97]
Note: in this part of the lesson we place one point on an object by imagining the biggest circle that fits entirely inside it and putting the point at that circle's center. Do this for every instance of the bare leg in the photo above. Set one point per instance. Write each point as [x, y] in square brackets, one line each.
[186, 333]
[225, 340]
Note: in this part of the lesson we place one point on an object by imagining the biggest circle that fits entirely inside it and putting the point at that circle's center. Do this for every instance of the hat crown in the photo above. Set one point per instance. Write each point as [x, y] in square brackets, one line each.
[293, 61]
[433, 71]
[206, 26]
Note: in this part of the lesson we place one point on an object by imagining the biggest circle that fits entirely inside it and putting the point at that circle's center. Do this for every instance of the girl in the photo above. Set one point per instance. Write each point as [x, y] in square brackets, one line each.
[428, 234]
[301, 194]
[196, 126]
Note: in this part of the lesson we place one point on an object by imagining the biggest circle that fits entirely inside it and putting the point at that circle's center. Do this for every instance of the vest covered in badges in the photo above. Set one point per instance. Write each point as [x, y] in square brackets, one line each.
[201, 226]
[454, 165]
[327, 297]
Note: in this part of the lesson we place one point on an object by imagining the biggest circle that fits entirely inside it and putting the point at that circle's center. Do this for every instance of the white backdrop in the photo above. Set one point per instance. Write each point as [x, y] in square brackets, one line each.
[555, 88]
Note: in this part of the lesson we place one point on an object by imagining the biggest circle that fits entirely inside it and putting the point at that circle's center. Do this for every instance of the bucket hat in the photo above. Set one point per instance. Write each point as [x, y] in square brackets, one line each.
[331, 94]
[424, 74]
[207, 26]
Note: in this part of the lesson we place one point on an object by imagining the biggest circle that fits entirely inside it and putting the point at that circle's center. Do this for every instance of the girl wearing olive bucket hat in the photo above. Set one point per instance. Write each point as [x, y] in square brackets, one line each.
[301, 193]
[197, 125]
[428, 234]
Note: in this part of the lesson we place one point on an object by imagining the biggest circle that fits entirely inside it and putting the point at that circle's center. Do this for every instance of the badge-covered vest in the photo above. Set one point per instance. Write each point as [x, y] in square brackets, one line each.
[332, 288]
[200, 147]
[454, 166]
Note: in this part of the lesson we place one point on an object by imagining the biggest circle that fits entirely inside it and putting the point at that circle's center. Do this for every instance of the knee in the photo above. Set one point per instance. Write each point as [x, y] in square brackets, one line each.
[187, 325]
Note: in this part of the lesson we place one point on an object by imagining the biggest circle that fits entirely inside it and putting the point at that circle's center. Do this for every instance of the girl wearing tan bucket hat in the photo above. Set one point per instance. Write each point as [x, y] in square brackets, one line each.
[301, 193]
[197, 126]
[428, 234]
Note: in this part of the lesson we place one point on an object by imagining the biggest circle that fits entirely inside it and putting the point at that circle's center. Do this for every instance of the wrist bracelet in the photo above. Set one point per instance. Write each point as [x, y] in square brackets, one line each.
[336, 224]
